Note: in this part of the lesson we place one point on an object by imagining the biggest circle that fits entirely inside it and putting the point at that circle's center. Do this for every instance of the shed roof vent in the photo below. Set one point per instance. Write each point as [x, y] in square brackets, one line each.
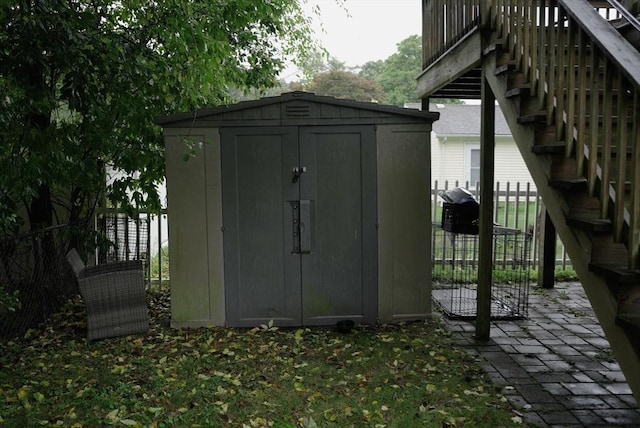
[298, 109]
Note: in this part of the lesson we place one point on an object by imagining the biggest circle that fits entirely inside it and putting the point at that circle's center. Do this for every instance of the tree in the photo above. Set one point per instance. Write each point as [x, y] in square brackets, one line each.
[344, 84]
[372, 69]
[398, 74]
[83, 80]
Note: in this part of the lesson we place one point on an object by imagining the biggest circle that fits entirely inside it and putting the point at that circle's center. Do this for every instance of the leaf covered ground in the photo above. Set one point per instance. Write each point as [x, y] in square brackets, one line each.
[399, 375]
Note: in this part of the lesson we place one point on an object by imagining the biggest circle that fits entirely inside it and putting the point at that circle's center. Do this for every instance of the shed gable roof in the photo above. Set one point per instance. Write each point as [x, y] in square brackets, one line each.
[296, 108]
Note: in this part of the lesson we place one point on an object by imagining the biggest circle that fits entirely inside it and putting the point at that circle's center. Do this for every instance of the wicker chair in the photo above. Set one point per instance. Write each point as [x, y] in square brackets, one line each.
[113, 295]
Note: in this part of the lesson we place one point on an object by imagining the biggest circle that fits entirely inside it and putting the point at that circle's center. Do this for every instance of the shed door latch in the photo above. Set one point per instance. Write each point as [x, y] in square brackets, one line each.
[297, 171]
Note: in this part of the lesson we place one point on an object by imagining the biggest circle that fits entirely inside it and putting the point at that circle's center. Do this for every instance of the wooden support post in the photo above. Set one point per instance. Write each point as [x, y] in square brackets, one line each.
[485, 256]
[547, 248]
[425, 104]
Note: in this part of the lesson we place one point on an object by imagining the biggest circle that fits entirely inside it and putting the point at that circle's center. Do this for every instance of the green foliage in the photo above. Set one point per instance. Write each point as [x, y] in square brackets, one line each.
[160, 263]
[565, 275]
[443, 274]
[83, 81]
[9, 302]
[344, 84]
[372, 69]
[501, 275]
[398, 73]
[401, 375]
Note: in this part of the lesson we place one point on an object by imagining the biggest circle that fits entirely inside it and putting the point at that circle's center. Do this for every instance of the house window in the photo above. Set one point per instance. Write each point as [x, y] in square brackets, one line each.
[472, 164]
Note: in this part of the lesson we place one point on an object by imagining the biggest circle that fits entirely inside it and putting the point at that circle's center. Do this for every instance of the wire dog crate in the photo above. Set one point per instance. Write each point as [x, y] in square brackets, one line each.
[456, 272]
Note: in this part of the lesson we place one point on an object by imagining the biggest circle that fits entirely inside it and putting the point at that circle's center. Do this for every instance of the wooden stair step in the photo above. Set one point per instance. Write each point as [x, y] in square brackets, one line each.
[595, 225]
[568, 183]
[532, 118]
[505, 67]
[495, 47]
[549, 149]
[517, 91]
[629, 322]
[629, 310]
[615, 273]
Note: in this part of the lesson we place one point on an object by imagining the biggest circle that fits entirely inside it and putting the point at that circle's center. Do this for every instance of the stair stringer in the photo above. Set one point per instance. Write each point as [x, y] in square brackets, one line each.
[576, 242]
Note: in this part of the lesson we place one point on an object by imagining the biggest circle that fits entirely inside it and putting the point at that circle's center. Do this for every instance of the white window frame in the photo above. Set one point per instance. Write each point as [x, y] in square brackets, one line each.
[468, 147]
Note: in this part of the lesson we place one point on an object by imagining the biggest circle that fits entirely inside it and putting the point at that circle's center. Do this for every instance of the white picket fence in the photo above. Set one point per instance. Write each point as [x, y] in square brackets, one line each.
[516, 206]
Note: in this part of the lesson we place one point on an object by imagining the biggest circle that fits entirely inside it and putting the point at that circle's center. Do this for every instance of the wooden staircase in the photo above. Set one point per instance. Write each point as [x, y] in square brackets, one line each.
[569, 86]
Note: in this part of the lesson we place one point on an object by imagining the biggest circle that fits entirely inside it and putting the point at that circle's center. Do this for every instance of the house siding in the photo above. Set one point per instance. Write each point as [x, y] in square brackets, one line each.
[458, 127]
[449, 161]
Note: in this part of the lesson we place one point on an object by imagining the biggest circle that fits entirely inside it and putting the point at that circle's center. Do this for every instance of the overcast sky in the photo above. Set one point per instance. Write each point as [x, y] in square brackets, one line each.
[369, 32]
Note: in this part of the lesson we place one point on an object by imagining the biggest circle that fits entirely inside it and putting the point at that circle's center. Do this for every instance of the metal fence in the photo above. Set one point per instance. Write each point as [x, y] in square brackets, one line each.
[35, 279]
[516, 205]
[133, 238]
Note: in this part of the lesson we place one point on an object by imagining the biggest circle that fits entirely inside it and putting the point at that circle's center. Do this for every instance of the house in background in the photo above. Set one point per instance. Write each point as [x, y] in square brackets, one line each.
[455, 148]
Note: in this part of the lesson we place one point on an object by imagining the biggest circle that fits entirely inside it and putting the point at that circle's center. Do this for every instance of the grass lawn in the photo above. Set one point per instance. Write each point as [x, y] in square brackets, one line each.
[400, 375]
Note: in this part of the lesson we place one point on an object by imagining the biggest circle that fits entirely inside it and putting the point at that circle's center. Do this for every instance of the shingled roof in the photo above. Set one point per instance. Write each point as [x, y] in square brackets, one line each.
[464, 119]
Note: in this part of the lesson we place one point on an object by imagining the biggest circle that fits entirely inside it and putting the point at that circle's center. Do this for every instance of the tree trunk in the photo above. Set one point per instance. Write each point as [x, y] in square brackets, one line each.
[41, 210]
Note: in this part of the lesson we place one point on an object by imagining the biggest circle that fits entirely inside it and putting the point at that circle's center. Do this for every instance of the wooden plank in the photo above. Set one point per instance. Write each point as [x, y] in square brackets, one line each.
[583, 86]
[561, 52]
[464, 56]
[572, 61]
[526, 62]
[542, 68]
[519, 31]
[547, 260]
[592, 164]
[487, 170]
[552, 64]
[605, 163]
[621, 138]
[533, 78]
[634, 205]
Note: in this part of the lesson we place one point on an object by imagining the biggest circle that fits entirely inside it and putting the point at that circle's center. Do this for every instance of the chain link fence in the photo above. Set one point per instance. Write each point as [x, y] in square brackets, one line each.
[35, 278]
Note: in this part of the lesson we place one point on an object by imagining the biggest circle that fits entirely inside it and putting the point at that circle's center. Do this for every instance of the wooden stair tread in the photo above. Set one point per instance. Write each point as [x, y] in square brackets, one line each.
[629, 321]
[516, 91]
[505, 67]
[536, 117]
[597, 225]
[567, 183]
[555, 148]
[618, 274]
[629, 311]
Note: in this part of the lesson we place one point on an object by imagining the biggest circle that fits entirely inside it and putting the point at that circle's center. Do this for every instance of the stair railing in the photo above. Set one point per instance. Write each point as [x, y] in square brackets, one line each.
[624, 13]
[446, 22]
[587, 78]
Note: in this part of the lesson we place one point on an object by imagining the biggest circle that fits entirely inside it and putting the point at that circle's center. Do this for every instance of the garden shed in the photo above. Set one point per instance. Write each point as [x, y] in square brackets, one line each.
[298, 209]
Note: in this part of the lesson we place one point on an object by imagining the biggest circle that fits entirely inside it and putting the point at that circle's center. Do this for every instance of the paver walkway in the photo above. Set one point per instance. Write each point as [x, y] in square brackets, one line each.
[556, 365]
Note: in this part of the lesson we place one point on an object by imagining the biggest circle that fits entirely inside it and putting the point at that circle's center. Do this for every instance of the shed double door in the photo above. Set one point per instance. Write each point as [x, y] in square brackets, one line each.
[299, 210]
